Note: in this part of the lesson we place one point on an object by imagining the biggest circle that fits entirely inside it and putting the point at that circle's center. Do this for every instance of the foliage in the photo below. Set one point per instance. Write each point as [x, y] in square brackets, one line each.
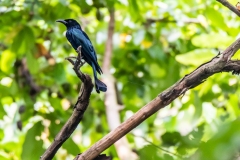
[38, 87]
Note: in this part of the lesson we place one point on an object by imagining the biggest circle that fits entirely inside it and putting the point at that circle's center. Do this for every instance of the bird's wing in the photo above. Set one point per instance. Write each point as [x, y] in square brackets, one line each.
[79, 35]
[90, 44]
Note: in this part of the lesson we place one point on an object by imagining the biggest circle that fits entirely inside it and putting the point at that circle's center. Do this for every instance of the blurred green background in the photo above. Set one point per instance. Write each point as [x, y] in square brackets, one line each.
[38, 88]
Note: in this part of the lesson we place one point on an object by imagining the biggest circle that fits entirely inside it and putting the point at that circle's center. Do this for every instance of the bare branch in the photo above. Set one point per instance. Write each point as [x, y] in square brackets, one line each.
[169, 20]
[79, 109]
[218, 64]
[231, 7]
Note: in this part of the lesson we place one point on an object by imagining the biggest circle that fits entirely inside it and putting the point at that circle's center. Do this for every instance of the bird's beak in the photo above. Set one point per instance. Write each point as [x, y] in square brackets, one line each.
[61, 21]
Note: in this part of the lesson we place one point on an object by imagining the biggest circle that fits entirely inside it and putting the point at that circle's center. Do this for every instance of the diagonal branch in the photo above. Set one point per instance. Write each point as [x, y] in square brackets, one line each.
[218, 64]
[79, 109]
[231, 7]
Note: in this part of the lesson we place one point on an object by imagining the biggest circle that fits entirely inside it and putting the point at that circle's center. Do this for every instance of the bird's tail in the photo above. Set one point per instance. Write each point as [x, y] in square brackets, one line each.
[100, 86]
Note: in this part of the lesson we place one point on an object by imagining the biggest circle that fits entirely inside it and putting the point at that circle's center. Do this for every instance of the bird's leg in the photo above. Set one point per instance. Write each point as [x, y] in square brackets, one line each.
[78, 63]
[79, 57]
[79, 52]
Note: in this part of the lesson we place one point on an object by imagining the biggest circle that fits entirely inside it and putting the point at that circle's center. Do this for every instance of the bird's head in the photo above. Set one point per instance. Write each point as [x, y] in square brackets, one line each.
[69, 23]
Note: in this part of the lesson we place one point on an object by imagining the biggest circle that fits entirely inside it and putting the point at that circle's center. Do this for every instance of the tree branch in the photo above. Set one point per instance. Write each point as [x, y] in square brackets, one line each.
[169, 20]
[218, 64]
[79, 109]
[231, 7]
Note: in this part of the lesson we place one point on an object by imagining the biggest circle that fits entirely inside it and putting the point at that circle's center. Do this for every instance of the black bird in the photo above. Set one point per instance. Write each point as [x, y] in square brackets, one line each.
[77, 37]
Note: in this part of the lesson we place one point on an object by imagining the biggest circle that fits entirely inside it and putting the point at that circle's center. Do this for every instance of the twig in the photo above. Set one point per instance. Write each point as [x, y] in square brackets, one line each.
[169, 20]
[165, 150]
[79, 109]
[198, 76]
[231, 7]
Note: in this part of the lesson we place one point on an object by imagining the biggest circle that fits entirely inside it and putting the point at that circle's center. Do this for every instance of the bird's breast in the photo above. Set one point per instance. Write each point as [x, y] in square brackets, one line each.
[74, 41]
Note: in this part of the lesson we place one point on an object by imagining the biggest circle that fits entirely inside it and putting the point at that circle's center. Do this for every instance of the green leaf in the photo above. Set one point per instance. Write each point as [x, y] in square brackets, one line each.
[198, 106]
[85, 8]
[215, 18]
[171, 138]
[24, 41]
[2, 157]
[157, 71]
[32, 148]
[32, 63]
[156, 52]
[214, 40]
[133, 8]
[234, 103]
[196, 57]
[193, 139]
[58, 73]
[148, 152]
[224, 144]
[7, 60]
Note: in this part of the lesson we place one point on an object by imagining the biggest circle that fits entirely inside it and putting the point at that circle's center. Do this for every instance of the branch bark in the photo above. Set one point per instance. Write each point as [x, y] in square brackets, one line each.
[218, 64]
[112, 107]
[79, 109]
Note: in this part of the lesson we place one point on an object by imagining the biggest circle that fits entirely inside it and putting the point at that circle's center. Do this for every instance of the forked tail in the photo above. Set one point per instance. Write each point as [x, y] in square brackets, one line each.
[100, 86]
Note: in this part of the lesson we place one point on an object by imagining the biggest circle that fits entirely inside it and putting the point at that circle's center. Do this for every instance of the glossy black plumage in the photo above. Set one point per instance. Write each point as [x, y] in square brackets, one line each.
[76, 36]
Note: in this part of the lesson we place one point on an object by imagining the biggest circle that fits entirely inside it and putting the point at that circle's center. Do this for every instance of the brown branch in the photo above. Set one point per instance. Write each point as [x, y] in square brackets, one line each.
[79, 109]
[149, 21]
[218, 64]
[231, 7]
[232, 66]
[169, 20]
